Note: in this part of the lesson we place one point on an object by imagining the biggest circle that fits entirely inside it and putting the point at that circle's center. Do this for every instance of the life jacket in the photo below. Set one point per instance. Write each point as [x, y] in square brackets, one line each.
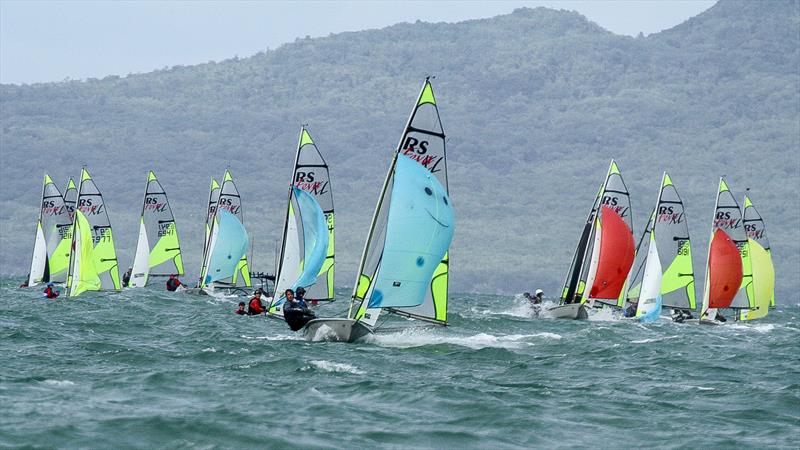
[255, 306]
[172, 284]
[50, 293]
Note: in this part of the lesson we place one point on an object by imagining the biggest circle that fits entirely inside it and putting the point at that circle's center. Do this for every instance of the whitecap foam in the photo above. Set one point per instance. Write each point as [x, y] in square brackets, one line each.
[60, 383]
[647, 341]
[423, 337]
[209, 350]
[334, 367]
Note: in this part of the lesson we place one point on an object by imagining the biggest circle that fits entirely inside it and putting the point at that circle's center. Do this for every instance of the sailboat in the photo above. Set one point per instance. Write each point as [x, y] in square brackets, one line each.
[760, 279]
[604, 254]
[306, 253]
[158, 251]
[71, 198]
[664, 276]
[93, 258]
[728, 259]
[50, 259]
[224, 238]
[404, 265]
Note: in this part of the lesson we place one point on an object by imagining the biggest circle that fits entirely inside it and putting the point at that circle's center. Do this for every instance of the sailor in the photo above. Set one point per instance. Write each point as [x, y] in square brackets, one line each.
[241, 311]
[300, 297]
[295, 313]
[256, 307]
[630, 311]
[49, 292]
[720, 317]
[679, 315]
[126, 278]
[25, 283]
[173, 283]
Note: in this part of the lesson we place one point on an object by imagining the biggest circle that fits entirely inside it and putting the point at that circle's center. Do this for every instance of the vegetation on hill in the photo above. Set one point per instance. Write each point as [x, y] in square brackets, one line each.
[534, 103]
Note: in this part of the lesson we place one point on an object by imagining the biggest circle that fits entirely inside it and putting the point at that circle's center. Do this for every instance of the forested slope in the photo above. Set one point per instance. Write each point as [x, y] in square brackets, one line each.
[534, 103]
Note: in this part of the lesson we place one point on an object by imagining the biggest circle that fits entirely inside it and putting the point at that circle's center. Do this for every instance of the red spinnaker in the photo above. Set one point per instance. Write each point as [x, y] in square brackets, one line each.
[616, 255]
[725, 268]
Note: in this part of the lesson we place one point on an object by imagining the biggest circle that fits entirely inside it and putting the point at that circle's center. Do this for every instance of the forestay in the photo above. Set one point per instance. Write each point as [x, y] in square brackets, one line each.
[158, 252]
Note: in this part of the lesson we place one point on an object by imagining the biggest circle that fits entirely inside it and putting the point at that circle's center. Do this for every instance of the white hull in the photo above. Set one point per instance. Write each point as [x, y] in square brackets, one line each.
[335, 330]
[575, 311]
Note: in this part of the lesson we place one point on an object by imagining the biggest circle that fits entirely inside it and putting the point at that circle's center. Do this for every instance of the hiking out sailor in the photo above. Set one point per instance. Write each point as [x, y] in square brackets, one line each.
[173, 283]
[630, 311]
[126, 278]
[256, 307]
[679, 315]
[241, 311]
[49, 292]
[295, 313]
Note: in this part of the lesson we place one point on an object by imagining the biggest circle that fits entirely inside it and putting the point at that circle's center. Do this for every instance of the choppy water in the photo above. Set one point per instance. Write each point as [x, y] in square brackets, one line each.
[147, 368]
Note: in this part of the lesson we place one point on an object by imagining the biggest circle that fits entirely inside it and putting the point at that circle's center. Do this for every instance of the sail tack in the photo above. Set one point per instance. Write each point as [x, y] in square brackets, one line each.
[158, 251]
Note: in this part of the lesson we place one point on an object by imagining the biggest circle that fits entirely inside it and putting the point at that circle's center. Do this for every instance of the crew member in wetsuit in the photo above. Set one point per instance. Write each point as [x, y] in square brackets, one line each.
[241, 310]
[49, 292]
[126, 278]
[679, 315]
[296, 314]
[256, 307]
[173, 283]
[630, 311]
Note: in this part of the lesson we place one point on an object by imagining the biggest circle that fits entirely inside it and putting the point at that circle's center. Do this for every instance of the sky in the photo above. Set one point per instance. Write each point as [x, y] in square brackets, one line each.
[43, 41]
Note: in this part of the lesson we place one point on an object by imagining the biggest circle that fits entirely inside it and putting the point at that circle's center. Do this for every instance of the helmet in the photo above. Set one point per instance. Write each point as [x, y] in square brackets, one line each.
[301, 290]
[50, 283]
[539, 291]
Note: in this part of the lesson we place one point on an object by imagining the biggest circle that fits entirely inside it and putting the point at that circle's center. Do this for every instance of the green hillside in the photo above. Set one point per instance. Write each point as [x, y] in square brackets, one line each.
[534, 103]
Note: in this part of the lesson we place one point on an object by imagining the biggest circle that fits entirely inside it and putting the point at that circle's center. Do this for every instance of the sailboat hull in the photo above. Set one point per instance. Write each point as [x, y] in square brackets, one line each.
[335, 330]
[575, 311]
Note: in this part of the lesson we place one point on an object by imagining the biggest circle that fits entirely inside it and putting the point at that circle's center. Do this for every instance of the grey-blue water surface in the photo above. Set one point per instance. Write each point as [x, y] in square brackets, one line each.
[150, 369]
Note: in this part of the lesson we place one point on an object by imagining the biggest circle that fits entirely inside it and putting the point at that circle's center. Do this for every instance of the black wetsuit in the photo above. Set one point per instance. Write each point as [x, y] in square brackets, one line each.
[297, 314]
[126, 278]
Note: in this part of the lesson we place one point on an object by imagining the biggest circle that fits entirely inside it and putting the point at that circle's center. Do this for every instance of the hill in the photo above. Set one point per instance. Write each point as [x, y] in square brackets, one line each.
[534, 103]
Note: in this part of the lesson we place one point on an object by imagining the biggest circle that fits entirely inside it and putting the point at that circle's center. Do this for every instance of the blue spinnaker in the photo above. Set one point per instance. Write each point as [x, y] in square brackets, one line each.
[315, 238]
[419, 229]
[229, 247]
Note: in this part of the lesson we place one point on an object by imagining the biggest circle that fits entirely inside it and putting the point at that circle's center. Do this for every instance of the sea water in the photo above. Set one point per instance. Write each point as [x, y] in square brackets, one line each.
[148, 368]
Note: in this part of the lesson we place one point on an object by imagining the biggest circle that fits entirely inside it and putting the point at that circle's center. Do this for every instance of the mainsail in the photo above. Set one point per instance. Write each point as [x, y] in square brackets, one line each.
[725, 286]
[304, 247]
[411, 231]
[71, 198]
[760, 279]
[423, 140]
[50, 260]
[158, 252]
[605, 250]
[311, 174]
[102, 259]
[666, 274]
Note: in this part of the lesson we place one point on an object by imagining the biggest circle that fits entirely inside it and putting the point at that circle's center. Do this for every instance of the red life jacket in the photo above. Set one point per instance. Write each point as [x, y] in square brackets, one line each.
[255, 306]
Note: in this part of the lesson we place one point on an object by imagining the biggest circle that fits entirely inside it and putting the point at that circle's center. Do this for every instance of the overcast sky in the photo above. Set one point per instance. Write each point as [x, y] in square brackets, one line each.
[53, 40]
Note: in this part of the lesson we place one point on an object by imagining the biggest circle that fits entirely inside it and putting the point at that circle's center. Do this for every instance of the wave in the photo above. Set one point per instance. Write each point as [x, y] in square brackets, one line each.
[424, 337]
[333, 367]
[59, 383]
